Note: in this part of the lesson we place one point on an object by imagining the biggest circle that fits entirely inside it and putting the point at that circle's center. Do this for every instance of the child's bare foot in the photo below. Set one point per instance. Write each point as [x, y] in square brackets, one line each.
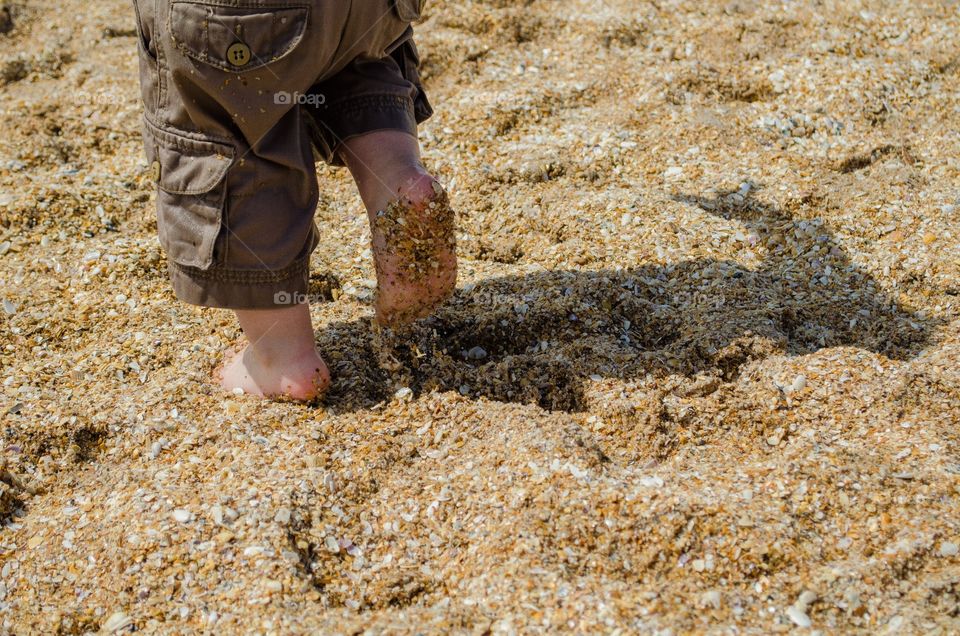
[413, 225]
[304, 378]
[414, 250]
[281, 359]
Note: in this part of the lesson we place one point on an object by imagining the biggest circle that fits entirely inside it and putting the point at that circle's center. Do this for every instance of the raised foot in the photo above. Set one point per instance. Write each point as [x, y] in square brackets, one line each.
[414, 247]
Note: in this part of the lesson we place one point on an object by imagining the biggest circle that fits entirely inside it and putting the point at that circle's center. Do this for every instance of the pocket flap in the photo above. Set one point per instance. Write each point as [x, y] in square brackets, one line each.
[208, 31]
[187, 166]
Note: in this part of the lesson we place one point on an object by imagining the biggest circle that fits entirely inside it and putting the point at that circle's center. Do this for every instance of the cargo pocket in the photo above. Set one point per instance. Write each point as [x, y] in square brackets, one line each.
[409, 10]
[236, 39]
[190, 176]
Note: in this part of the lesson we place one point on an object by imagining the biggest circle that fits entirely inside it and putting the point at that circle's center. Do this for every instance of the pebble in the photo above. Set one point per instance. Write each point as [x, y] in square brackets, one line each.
[182, 516]
[807, 598]
[116, 622]
[779, 80]
[777, 436]
[330, 483]
[4, 247]
[712, 599]
[403, 394]
[896, 625]
[477, 353]
[798, 616]
[8, 307]
[332, 544]
[673, 171]
[949, 549]
[651, 481]
[224, 537]
[799, 383]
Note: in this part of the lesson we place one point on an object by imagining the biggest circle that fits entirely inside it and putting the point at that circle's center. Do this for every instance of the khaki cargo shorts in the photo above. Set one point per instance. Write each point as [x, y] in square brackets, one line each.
[241, 97]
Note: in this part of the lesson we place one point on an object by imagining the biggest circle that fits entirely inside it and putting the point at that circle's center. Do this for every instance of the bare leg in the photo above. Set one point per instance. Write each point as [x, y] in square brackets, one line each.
[281, 357]
[411, 222]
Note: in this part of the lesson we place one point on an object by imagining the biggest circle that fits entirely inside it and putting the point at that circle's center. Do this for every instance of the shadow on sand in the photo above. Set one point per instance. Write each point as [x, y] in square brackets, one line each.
[536, 338]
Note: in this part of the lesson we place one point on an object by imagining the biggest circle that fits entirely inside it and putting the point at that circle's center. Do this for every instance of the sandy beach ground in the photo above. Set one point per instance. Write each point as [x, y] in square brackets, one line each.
[701, 375]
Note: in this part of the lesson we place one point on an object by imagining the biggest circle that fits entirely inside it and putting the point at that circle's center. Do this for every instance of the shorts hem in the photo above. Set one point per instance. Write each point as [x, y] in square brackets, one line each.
[240, 289]
[359, 116]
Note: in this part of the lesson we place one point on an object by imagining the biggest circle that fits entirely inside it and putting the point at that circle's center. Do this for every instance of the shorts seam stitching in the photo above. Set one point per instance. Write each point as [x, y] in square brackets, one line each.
[243, 276]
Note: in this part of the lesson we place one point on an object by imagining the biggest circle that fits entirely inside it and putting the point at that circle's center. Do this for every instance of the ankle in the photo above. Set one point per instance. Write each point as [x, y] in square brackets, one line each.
[269, 356]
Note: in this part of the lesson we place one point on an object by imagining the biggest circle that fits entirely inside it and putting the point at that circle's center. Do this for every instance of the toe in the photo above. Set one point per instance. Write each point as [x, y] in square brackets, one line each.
[229, 356]
[421, 190]
[312, 383]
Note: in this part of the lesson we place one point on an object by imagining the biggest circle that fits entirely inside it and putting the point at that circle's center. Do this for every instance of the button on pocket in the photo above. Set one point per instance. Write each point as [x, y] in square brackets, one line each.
[191, 193]
[238, 54]
[236, 38]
